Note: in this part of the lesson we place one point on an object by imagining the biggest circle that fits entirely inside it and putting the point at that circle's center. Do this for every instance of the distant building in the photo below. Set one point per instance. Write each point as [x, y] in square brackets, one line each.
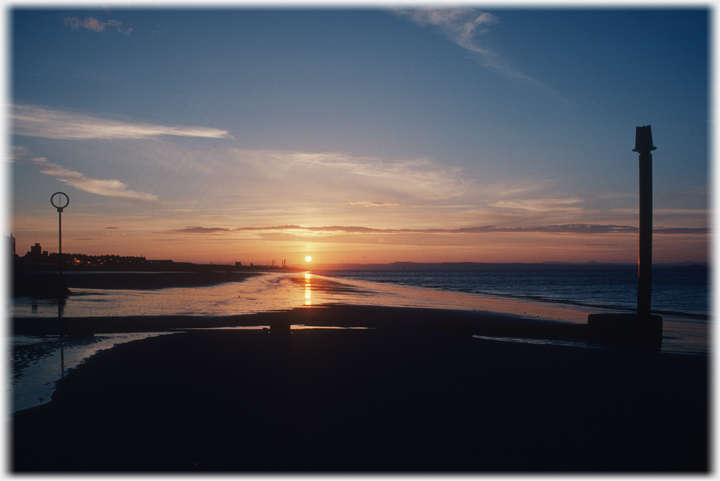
[36, 255]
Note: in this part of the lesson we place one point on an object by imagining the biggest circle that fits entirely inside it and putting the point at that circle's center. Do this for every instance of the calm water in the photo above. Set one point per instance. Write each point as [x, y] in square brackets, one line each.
[680, 293]
[38, 362]
[681, 297]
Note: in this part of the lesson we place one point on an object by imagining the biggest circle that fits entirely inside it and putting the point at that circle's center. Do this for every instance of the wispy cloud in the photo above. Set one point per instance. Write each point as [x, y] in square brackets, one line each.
[464, 26]
[105, 187]
[374, 204]
[683, 212]
[200, 230]
[340, 176]
[89, 23]
[422, 170]
[521, 187]
[118, 27]
[586, 229]
[540, 205]
[682, 230]
[460, 25]
[95, 25]
[57, 124]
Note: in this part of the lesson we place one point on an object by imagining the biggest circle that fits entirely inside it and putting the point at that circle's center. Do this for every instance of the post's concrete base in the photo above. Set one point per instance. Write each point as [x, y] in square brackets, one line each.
[626, 330]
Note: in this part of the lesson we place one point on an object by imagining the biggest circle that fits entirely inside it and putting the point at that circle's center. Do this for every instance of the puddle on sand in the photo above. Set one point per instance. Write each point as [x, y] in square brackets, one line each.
[37, 363]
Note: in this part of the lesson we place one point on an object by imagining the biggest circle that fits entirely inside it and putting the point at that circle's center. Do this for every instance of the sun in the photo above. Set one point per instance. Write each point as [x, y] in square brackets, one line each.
[308, 258]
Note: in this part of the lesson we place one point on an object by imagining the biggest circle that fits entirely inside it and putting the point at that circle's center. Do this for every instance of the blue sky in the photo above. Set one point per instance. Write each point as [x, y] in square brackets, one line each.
[359, 135]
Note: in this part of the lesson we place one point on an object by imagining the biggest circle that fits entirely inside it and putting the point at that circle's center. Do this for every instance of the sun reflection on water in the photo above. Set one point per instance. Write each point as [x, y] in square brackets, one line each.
[308, 291]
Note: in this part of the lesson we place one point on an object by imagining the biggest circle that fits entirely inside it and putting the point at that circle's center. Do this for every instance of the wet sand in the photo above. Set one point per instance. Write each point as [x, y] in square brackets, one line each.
[418, 395]
[41, 283]
[404, 318]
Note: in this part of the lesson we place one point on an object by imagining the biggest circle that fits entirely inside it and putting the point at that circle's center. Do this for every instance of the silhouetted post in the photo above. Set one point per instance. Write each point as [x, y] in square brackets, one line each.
[643, 146]
[60, 200]
[642, 329]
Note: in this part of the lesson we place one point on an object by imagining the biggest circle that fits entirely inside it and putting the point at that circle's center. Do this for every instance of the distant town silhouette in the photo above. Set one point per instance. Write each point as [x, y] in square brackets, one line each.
[37, 258]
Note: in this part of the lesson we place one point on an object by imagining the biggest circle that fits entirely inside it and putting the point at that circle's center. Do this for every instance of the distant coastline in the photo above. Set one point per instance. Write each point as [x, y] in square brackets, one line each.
[504, 266]
[41, 279]
[132, 264]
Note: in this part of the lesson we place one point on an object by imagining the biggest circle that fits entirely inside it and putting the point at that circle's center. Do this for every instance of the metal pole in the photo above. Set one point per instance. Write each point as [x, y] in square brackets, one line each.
[60, 200]
[60, 242]
[644, 145]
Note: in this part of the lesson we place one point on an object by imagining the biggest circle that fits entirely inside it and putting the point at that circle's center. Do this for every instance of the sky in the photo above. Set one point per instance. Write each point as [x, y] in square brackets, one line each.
[358, 135]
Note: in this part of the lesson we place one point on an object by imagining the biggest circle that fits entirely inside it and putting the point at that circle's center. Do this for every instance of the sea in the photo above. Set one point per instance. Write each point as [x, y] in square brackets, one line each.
[680, 295]
[681, 292]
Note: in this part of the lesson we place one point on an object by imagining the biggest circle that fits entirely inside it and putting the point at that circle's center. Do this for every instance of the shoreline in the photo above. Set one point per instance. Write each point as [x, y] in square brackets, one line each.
[39, 283]
[38, 342]
[38, 346]
[523, 324]
[246, 302]
[399, 399]
[330, 290]
[335, 315]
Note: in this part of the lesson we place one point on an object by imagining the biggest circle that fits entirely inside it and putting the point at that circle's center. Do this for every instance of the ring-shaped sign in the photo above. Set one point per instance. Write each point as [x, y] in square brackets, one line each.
[58, 202]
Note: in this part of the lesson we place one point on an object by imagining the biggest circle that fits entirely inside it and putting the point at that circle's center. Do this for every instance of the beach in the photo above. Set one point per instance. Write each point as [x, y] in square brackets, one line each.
[327, 387]
[393, 399]
[364, 240]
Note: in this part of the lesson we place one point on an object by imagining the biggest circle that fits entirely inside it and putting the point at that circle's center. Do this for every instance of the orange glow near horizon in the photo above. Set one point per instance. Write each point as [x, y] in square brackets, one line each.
[360, 249]
[308, 291]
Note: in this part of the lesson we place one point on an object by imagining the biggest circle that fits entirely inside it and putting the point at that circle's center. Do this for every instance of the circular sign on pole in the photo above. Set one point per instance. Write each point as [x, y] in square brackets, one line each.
[59, 200]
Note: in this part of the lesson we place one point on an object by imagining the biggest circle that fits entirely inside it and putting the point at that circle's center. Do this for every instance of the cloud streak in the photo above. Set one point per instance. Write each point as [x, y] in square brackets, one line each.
[460, 25]
[105, 187]
[374, 204]
[580, 229]
[540, 205]
[463, 26]
[340, 176]
[34, 121]
[95, 25]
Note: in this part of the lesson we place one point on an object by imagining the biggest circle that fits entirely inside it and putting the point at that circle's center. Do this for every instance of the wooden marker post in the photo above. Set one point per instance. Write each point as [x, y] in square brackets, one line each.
[642, 329]
[643, 146]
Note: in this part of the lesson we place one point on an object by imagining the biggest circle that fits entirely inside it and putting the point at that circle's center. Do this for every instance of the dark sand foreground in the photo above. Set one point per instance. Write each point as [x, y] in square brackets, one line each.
[381, 400]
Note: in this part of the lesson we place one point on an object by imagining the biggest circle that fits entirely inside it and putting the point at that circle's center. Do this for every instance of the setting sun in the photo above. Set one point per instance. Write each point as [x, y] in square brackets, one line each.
[308, 258]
